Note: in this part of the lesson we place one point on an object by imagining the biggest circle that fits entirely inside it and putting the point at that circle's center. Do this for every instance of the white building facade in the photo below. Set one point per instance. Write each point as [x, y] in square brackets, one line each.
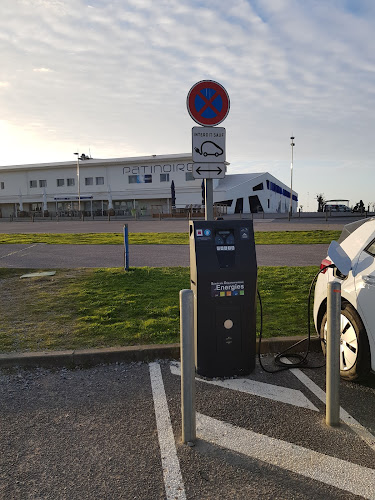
[122, 185]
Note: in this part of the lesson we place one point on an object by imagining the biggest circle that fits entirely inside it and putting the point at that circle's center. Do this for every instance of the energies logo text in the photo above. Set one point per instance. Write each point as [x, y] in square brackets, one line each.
[227, 288]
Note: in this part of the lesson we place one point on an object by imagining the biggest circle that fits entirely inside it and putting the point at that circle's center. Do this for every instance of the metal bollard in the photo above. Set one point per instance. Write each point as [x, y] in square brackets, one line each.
[187, 366]
[126, 248]
[333, 354]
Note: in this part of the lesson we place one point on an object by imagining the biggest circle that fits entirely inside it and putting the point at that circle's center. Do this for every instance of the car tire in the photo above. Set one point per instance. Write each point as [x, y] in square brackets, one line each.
[355, 360]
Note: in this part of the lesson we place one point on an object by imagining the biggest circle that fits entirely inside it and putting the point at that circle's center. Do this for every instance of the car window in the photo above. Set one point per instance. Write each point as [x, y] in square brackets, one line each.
[371, 249]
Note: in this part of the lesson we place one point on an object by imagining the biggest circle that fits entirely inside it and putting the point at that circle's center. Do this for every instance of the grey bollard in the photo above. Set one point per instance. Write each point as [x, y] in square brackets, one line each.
[333, 354]
[187, 366]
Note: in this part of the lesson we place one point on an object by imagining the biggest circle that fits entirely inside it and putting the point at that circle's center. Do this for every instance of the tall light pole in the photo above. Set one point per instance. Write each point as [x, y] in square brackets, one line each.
[79, 185]
[291, 180]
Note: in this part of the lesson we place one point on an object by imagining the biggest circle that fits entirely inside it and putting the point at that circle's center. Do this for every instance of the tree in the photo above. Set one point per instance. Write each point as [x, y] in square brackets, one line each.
[321, 202]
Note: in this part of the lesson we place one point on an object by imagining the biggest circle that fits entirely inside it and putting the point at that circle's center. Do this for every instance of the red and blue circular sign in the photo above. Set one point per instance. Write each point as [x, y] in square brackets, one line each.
[208, 103]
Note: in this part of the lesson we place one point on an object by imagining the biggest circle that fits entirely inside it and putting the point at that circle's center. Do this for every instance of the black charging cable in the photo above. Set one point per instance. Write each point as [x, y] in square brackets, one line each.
[301, 359]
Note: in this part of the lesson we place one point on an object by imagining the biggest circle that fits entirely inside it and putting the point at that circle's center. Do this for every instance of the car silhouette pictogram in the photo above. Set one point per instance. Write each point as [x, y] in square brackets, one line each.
[209, 148]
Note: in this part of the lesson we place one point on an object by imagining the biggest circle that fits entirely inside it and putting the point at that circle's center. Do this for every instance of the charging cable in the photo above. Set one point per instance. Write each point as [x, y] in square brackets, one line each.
[300, 359]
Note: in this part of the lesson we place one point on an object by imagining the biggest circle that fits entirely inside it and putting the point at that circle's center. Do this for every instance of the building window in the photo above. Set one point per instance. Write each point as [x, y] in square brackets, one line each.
[42, 183]
[99, 181]
[1, 185]
[164, 177]
[60, 182]
[258, 187]
[226, 203]
[189, 176]
[36, 207]
[33, 184]
[140, 179]
[89, 181]
[71, 181]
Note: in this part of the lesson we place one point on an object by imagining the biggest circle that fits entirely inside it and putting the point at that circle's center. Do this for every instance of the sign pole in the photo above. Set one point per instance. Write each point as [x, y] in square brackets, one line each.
[209, 199]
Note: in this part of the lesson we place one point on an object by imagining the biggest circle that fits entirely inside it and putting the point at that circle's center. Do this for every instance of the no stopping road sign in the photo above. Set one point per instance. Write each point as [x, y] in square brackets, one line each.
[208, 103]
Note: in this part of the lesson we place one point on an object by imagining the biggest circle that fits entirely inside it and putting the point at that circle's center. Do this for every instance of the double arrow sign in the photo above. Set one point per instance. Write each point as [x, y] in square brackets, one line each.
[215, 169]
[208, 152]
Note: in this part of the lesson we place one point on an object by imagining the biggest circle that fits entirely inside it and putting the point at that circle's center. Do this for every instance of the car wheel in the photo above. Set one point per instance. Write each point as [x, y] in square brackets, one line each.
[355, 362]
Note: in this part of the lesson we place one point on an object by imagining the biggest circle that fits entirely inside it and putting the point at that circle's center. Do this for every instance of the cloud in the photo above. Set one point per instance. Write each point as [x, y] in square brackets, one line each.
[115, 74]
[42, 70]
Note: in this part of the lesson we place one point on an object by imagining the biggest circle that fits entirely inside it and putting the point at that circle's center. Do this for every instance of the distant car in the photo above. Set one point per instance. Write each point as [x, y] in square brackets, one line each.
[357, 345]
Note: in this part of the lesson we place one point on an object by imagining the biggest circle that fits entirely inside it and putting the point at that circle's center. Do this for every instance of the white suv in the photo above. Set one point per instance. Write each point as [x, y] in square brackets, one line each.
[357, 350]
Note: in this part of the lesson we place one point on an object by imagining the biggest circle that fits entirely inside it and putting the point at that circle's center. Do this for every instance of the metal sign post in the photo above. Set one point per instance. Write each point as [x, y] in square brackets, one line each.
[209, 199]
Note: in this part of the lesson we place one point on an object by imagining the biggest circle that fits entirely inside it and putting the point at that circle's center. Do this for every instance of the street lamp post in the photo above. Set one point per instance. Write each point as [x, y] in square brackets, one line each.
[79, 185]
[291, 180]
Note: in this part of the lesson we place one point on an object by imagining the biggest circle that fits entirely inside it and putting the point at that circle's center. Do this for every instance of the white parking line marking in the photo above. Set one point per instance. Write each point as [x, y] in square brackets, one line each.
[329, 470]
[18, 251]
[174, 487]
[362, 432]
[269, 391]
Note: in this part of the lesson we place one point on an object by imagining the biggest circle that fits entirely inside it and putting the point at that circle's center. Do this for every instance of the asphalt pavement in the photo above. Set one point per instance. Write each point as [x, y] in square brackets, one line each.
[114, 432]
[148, 225]
[44, 256]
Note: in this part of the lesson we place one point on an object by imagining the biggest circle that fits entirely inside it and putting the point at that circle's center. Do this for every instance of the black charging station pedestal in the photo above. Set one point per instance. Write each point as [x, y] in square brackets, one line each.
[223, 273]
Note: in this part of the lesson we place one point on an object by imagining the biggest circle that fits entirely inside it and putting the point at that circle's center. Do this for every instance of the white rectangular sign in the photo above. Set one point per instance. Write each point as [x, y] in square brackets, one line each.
[208, 144]
[208, 170]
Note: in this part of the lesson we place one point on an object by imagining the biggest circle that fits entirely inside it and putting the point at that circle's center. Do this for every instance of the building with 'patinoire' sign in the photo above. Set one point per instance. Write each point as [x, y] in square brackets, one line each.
[123, 186]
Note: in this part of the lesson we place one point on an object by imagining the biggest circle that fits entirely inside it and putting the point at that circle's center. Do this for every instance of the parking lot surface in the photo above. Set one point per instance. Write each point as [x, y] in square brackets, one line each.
[115, 432]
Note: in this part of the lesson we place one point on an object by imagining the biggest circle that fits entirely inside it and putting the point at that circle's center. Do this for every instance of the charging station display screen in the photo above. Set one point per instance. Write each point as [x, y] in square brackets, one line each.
[224, 240]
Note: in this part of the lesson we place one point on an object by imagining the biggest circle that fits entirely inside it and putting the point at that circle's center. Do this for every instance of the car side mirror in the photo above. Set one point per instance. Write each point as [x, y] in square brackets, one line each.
[340, 258]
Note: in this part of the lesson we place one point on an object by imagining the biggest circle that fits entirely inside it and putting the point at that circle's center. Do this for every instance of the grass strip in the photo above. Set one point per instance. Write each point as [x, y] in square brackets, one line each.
[261, 238]
[85, 308]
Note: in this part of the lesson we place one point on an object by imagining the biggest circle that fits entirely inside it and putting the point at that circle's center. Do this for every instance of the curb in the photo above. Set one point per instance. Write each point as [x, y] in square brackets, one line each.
[87, 358]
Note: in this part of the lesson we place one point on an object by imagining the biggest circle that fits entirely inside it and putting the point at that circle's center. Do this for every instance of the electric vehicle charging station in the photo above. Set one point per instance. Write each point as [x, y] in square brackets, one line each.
[223, 273]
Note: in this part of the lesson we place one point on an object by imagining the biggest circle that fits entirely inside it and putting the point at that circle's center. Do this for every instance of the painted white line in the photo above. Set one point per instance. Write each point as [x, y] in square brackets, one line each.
[329, 470]
[269, 391]
[174, 487]
[362, 432]
[18, 251]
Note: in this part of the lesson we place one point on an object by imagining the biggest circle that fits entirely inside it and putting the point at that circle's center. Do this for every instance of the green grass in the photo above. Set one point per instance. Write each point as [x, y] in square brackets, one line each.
[261, 238]
[84, 308]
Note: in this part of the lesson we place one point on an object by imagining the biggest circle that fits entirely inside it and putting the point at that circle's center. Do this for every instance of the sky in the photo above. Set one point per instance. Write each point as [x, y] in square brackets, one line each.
[111, 78]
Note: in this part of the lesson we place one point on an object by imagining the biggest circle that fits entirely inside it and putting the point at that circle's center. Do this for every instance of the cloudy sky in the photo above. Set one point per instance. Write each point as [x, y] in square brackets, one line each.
[113, 76]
